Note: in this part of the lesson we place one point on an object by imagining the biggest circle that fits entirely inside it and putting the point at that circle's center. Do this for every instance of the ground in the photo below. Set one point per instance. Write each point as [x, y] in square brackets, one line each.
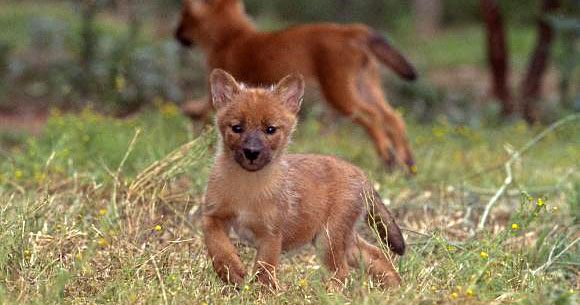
[93, 212]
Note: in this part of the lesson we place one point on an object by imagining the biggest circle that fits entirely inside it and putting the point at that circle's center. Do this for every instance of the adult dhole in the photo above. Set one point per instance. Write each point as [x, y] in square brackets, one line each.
[342, 59]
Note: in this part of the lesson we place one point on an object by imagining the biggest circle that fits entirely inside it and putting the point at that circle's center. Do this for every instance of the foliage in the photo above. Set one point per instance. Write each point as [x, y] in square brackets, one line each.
[74, 61]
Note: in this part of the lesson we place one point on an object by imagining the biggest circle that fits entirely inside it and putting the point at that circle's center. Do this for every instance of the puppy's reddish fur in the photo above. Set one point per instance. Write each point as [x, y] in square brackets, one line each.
[342, 59]
[281, 201]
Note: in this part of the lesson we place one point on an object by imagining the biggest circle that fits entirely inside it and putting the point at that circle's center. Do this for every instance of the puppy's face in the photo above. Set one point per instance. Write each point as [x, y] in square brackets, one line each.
[255, 123]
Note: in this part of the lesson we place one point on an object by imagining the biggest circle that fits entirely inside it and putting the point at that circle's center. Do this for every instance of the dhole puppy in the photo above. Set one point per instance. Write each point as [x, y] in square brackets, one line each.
[281, 201]
[342, 59]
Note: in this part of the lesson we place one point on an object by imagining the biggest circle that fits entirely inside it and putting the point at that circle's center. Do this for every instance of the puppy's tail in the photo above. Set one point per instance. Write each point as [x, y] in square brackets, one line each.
[390, 56]
[381, 220]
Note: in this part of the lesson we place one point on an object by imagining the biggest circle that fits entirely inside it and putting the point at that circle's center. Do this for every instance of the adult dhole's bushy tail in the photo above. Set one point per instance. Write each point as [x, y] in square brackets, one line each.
[390, 56]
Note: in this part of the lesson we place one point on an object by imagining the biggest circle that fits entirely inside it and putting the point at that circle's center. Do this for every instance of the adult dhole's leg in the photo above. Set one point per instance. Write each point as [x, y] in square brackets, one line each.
[369, 87]
[339, 89]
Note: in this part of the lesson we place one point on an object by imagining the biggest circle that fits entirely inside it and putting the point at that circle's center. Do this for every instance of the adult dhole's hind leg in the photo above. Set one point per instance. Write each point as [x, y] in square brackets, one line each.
[339, 88]
[376, 263]
[369, 86]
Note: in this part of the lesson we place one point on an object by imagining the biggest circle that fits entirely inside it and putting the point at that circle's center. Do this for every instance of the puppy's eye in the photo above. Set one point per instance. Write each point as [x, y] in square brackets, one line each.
[271, 129]
[237, 128]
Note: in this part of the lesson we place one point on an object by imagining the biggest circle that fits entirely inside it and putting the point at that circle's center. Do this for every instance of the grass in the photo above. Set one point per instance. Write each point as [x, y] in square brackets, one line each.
[466, 46]
[97, 210]
[86, 220]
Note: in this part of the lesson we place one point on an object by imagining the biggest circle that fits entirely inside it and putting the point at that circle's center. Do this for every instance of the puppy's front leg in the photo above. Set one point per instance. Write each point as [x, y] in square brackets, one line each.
[224, 255]
[269, 249]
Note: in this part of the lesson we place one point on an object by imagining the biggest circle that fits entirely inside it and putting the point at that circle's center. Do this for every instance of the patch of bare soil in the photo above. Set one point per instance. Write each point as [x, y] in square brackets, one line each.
[21, 120]
[476, 80]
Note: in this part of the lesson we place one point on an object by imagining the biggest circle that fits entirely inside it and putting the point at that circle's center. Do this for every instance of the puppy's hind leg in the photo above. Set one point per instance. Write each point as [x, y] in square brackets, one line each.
[334, 253]
[377, 264]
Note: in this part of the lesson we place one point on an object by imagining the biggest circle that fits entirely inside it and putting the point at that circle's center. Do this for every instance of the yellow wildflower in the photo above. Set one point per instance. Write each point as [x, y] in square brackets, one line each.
[515, 226]
[554, 209]
[438, 131]
[120, 83]
[54, 112]
[540, 202]
[157, 228]
[302, 283]
[168, 109]
[483, 254]
[101, 241]
[102, 212]
[469, 292]
[39, 177]
[133, 298]
[454, 295]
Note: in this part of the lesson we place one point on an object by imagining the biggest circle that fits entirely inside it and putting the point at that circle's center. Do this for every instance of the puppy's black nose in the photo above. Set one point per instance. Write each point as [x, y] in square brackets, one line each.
[251, 154]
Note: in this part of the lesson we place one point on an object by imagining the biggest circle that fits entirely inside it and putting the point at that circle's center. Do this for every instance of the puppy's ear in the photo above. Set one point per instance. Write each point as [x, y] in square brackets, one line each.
[291, 90]
[223, 88]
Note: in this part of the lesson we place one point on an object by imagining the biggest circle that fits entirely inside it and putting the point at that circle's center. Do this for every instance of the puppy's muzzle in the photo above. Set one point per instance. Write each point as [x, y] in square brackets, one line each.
[252, 146]
[181, 37]
[251, 153]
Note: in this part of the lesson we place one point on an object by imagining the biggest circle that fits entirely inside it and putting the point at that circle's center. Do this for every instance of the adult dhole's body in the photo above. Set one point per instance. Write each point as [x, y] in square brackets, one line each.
[342, 59]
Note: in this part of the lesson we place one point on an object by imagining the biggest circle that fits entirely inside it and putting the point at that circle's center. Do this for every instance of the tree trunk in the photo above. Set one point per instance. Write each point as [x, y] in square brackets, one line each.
[427, 17]
[88, 47]
[122, 7]
[497, 54]
[532, 82]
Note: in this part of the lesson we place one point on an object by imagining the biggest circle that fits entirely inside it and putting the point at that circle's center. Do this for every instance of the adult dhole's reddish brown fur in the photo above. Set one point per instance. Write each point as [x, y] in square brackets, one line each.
[281, 201]
[342, 59]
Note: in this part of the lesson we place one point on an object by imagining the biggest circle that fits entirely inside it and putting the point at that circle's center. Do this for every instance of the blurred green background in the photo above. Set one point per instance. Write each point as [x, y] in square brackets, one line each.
[118, 55]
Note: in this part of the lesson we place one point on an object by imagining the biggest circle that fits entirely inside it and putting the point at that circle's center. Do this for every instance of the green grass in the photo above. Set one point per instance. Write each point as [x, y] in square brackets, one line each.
[79, 216]
[466, 46]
